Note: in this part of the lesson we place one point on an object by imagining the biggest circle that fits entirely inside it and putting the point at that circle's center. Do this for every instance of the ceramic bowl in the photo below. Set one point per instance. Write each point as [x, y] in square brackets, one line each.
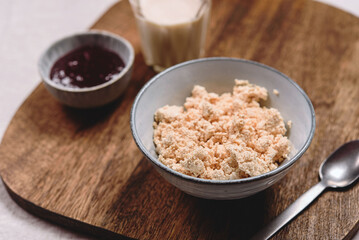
[95, 96]
[217, 74]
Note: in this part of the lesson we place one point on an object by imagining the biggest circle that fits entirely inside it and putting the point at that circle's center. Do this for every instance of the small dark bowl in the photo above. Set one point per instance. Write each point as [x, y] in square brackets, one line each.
[95, 96]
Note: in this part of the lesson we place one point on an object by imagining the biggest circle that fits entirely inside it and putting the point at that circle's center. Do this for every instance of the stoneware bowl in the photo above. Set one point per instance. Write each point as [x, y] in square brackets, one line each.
[217, 74]
[90, 96]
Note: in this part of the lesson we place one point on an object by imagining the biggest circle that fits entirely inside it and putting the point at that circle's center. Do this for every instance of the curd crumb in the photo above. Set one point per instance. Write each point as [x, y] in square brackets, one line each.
[228, 136]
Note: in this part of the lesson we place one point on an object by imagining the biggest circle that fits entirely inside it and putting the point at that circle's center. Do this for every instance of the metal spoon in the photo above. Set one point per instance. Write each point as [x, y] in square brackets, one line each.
[339, 170]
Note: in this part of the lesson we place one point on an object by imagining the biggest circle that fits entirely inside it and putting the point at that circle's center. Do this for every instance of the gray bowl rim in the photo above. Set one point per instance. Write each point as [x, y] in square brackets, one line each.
[220, 182]
[115, 78]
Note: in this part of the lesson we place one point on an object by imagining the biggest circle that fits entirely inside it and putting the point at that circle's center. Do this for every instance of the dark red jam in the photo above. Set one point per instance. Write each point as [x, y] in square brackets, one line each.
[86, 67]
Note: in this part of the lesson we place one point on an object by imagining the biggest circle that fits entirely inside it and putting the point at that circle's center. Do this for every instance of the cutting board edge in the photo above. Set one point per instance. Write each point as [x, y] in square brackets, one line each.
[61, 220]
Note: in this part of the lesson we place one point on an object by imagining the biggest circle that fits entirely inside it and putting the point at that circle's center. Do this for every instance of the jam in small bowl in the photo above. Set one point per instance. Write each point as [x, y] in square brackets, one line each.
[88, 69]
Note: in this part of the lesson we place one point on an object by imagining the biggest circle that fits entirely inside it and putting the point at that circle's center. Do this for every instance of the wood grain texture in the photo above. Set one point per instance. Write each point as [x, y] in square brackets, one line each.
[81, 168]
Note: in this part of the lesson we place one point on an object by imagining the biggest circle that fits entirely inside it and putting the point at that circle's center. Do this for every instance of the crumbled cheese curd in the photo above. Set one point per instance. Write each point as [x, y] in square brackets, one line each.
[276, 92]
[221, 137]
[289, 123]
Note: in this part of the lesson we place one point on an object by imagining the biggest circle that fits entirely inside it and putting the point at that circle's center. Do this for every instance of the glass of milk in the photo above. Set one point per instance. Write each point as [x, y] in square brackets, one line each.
[171, 31]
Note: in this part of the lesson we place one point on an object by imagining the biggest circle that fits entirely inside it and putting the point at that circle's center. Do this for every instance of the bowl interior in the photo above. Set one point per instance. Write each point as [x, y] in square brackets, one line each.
[217, 75]
[91, 38]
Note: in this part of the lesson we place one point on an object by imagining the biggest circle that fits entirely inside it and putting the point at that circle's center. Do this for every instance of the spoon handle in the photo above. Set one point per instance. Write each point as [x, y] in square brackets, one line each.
[293, 210]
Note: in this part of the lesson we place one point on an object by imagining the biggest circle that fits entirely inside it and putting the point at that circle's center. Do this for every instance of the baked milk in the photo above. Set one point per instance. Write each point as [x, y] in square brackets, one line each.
[171, 31]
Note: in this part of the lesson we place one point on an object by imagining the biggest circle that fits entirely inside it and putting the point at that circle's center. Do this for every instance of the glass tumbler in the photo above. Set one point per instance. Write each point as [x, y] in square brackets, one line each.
[171, 31]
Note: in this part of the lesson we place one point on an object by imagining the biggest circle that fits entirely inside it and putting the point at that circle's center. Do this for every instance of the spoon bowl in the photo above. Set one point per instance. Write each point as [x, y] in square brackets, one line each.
[342, 167]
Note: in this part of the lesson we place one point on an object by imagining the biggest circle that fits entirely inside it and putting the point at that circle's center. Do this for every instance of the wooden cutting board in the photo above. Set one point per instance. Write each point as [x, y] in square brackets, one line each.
[81, 168]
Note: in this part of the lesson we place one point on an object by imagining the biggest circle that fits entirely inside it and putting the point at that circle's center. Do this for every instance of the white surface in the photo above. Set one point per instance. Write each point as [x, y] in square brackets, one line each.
[26, 29]
[351, 6]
